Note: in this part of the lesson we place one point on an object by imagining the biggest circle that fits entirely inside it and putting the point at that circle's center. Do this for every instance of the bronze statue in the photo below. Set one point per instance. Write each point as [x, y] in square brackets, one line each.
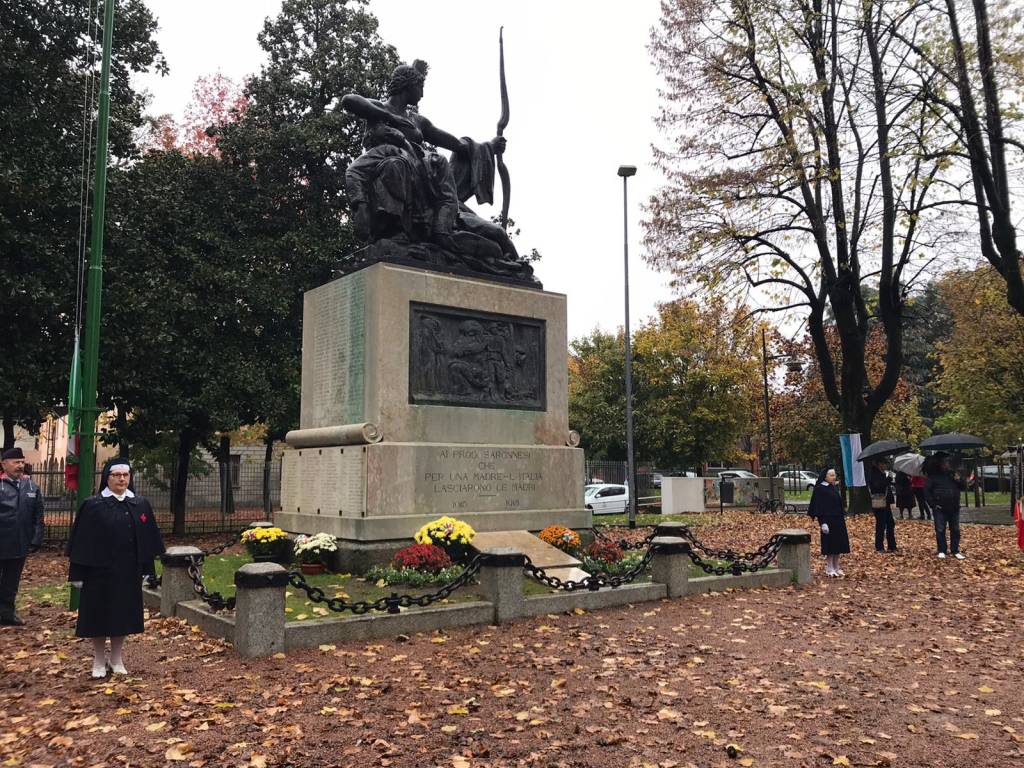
[408, 200]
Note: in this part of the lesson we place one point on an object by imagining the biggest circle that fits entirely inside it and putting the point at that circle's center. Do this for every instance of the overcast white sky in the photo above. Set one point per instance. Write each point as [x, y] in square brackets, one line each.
[582, 91]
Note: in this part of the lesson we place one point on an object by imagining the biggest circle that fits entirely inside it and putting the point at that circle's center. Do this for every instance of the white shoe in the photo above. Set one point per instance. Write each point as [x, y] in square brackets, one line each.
[99, 671]
[960, 556]
[840, 574]
[942, 555]
[118, 669]
[832, 574]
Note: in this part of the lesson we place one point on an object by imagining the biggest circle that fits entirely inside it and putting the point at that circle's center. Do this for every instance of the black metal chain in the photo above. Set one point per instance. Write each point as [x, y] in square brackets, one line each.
[760, 559]
[623, 543]
[236, 537]
[392, 603]
[592, 583]
[214, 599]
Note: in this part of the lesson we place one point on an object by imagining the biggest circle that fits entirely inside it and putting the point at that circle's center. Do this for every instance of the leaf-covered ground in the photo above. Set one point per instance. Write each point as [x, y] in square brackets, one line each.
[907, 662]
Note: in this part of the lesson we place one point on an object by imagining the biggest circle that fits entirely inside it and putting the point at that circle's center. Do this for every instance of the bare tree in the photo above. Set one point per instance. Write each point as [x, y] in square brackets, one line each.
[801, 170]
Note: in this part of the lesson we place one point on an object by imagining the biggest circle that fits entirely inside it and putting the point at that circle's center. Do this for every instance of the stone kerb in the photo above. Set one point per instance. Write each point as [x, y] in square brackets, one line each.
[175, 583]
[501, 578]
[795, 554]
[259, 609]
[670, 564]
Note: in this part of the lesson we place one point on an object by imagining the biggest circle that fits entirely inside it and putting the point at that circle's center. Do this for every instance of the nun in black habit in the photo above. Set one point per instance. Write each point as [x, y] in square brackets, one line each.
[113, 544]
[826, 508]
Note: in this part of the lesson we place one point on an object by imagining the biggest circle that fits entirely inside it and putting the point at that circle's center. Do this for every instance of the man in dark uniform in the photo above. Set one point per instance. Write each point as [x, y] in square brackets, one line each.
[21, 528]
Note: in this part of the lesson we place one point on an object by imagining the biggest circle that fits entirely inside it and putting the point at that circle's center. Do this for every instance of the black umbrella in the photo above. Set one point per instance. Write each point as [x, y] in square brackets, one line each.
[954, 441]
[881, 448]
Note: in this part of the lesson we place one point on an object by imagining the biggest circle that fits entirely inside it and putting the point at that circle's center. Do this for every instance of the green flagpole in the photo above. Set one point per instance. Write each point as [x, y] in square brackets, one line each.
[94, 286]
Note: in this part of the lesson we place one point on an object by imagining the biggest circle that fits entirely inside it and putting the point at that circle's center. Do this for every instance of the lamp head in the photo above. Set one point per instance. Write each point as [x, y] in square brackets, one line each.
[627, 170]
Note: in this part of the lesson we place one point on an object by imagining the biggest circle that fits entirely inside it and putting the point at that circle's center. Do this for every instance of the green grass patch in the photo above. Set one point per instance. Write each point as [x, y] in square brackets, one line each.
[646, 520]
[45, 595]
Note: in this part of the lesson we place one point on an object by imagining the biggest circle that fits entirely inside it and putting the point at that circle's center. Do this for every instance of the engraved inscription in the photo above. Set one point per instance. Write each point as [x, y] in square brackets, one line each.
[478, 359]
[476, 478]
[333, 354]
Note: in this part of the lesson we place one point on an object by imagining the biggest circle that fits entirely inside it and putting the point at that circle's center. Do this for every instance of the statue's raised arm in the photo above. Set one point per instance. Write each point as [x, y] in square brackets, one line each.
[408, 201]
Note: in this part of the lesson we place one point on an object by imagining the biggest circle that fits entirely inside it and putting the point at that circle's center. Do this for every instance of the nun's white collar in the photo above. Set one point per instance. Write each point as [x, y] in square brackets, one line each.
[107, 493]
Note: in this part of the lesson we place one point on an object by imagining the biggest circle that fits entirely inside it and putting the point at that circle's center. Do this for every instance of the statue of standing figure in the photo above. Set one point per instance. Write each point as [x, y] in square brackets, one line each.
[408, 201]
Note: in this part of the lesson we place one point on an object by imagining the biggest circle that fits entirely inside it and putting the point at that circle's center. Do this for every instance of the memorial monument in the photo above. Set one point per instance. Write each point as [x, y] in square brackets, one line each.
[434, 371]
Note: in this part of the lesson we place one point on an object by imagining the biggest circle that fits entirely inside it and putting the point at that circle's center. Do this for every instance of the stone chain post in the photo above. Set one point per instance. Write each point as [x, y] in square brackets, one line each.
[670, 564]
[259, 608]
[795, 553]
[501, 577]
[175, 583]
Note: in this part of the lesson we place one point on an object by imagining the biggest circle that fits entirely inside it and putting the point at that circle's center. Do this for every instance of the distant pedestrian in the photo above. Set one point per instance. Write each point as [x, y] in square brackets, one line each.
[881, 506]
[113, 543]
[826, 509]
[904, 495]
[917, 483]
[942, 491]
[21, 529]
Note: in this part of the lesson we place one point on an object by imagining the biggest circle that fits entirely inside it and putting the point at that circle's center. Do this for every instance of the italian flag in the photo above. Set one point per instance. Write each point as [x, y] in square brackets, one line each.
[74, 405]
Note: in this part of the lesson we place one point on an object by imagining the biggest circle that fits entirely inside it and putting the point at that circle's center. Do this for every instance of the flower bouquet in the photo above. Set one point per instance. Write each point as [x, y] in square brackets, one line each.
[565, 539]
[268, 545]
[311, 551]
[451, 535]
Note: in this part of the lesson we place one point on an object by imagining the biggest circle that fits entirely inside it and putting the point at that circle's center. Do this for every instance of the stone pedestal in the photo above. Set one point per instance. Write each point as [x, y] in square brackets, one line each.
[426, 394]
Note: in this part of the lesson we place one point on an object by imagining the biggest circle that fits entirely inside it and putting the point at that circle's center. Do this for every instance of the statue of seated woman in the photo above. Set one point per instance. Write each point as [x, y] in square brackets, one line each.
[409, 200]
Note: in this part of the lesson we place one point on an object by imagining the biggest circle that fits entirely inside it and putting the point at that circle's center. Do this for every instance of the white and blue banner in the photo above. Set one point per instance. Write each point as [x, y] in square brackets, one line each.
[853, 470]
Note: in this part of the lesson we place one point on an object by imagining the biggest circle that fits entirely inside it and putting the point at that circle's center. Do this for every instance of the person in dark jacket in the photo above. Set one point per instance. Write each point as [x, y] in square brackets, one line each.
[21, 529]
[881, 505]
[917, 483]
[942, 491]
[905, 501]
[113, 544]
[826, 509]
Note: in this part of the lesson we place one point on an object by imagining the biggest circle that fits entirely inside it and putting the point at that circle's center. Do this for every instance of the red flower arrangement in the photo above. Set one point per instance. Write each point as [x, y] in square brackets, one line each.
[428, 558]
[607, 551]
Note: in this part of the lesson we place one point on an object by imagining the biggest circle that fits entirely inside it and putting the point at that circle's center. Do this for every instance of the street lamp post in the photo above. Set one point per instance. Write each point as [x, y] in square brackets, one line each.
[625, 171]
[767, 415]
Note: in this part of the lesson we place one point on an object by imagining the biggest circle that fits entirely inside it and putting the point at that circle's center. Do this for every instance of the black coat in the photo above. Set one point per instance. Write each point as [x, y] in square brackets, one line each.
[826, 508]
[878, 484]
[21, 518]
[942, 491]
[113, 544]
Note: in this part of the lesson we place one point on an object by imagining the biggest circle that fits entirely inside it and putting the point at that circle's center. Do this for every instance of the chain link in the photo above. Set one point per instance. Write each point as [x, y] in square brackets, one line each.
[215, 600]
[392, 603]
[623, 543]
[592, 583]
[236, 537]
[756, 561]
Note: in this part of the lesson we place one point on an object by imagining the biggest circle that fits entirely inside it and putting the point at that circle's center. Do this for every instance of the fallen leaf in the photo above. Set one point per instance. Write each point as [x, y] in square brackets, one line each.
[178, 752]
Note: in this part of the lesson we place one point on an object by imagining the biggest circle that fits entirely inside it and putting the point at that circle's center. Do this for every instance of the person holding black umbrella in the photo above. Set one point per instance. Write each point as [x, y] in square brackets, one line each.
[881, 505]
[826, 509]
[942, 490]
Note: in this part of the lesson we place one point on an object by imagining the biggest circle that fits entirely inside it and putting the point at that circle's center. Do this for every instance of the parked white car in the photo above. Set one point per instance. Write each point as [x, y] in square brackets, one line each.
[606, 498]
[794, 478]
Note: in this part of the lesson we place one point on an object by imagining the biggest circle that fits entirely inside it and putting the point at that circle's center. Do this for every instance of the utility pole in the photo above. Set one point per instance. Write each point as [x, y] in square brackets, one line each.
[94, 285]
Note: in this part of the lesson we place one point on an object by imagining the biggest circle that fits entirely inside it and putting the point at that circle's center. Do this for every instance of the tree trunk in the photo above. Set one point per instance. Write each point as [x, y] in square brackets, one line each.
[268, 456]
[179, 481]
[8, 422]
[121, 425]
[227, 497]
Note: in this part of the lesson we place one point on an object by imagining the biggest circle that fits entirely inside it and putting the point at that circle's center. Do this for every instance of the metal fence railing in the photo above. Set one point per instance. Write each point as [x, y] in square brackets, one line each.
[205, 511]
